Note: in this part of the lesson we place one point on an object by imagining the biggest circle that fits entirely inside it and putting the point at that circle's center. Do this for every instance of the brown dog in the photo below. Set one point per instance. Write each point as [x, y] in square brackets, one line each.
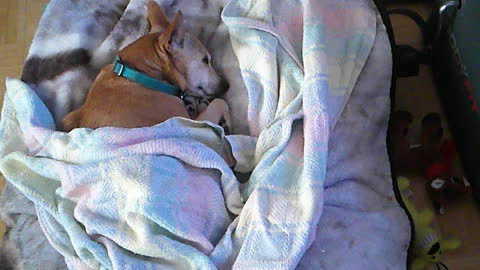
[169, 54]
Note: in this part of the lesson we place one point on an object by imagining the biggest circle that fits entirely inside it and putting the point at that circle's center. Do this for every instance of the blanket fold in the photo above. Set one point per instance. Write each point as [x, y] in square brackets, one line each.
[163, 197]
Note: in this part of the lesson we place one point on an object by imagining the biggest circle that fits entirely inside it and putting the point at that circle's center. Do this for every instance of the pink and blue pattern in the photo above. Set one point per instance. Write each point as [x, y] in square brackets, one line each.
[163, 197]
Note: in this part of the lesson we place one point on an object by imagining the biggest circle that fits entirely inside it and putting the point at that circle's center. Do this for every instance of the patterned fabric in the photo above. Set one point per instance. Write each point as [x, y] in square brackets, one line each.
[361, 226]
[163, 197]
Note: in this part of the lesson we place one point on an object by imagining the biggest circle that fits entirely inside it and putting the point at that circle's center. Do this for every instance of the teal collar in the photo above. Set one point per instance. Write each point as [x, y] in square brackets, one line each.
[134, 75]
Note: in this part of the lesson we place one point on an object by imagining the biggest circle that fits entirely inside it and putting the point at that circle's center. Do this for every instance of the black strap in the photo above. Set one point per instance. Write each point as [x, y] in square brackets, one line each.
[424, 27]
[408, 58]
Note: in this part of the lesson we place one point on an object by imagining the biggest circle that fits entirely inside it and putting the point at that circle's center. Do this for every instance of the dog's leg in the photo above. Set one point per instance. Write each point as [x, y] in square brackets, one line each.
[69, 122]
[217, 112]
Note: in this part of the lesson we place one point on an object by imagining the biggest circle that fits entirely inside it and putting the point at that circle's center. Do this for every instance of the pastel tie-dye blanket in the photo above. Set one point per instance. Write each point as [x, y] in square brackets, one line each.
[163, 197]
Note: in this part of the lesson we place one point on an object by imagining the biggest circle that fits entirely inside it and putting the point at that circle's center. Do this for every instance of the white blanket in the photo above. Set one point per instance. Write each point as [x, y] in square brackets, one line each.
[164, 197]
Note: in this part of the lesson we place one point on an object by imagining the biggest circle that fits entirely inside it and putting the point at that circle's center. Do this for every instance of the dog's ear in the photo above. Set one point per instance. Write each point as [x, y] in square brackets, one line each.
[156, 17]
[174, 35]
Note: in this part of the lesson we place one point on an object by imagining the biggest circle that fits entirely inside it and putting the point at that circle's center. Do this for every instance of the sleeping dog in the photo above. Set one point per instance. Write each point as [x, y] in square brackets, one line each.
[146, 84]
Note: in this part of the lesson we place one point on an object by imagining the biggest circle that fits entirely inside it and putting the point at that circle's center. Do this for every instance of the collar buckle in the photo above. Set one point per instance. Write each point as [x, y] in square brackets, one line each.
[120, 71]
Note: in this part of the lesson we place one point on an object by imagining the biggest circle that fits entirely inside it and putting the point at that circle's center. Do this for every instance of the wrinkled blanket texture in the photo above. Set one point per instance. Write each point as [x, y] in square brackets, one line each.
[312, 188]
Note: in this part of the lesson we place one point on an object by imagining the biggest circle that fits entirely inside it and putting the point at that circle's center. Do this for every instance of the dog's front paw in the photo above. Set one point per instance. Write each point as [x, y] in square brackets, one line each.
[223, 123]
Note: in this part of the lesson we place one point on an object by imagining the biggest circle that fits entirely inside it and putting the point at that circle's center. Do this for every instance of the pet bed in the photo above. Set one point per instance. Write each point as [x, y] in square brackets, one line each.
[310, 92]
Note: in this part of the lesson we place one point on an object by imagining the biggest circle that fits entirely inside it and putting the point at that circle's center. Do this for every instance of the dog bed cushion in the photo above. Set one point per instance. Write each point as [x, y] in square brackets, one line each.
[310, 87]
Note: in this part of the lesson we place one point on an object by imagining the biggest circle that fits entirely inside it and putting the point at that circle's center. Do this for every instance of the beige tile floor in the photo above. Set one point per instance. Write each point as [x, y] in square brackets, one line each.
[416, 94]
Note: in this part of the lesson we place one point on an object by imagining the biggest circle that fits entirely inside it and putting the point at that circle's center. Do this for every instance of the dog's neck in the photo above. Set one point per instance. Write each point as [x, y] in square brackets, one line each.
[153, 61]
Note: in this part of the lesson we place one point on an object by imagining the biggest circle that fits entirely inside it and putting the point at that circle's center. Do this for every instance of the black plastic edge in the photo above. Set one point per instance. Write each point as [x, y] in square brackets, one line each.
[386, 21]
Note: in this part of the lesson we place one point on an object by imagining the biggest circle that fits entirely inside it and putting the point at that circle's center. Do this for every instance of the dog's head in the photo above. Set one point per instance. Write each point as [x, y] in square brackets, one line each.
[182, 56]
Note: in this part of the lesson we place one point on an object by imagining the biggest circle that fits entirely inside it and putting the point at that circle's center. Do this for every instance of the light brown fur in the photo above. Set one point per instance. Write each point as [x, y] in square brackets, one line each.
[173, 56]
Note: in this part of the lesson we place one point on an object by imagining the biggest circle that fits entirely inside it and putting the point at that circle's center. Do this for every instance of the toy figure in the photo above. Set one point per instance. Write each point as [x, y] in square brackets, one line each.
[427, 245]
[443, 182]
[433, 158]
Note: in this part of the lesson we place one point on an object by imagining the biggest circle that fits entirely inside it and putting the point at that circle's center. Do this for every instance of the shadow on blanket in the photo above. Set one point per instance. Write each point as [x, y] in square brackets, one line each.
[9, 257]
[161, 196]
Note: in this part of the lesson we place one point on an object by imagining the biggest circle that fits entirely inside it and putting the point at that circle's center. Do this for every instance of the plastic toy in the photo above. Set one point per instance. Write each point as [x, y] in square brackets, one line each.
[427, 245]
[444, 183]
